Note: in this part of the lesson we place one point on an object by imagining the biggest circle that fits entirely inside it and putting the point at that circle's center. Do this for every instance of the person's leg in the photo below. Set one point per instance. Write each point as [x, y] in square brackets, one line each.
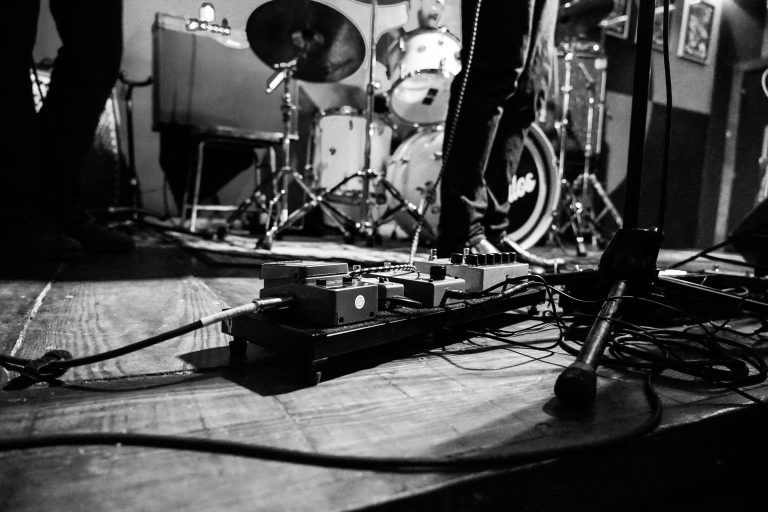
[19, 149]
[502, 165]
[498, 53]
[518, 114]
[85, 70]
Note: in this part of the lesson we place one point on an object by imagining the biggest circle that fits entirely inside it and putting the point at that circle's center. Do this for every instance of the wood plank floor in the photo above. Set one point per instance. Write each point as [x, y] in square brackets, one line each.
[448, 401]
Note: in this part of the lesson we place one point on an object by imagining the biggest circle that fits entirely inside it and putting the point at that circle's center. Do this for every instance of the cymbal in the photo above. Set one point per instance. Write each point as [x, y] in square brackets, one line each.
[327, 46]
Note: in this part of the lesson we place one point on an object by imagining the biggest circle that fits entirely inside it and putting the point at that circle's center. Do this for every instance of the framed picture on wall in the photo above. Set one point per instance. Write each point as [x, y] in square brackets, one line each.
[698, 31]
[617, 22]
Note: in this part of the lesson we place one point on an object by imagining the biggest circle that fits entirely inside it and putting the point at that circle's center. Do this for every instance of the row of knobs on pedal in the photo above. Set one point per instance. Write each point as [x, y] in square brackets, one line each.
[497, 258]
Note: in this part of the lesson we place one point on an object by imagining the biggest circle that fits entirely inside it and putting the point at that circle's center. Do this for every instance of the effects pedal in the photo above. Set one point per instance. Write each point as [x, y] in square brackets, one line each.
[479, 271]
[427, 288]
[327, 295]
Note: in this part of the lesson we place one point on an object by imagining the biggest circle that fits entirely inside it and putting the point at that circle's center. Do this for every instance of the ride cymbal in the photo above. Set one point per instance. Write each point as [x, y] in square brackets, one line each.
[328, 47]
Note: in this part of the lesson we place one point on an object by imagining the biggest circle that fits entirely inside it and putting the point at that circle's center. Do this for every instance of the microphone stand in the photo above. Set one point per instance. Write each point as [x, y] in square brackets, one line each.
[628, 264]
[629, 261]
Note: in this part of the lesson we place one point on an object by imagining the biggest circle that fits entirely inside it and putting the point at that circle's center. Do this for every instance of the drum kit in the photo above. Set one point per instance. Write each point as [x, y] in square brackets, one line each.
[355, 179]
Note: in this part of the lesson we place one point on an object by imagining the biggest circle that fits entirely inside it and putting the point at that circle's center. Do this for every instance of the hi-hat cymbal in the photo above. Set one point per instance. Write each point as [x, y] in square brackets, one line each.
[327, 46]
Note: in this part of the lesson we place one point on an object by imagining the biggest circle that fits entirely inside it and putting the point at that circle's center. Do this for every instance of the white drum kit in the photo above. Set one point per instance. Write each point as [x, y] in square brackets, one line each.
[422, 64]
[358, 182]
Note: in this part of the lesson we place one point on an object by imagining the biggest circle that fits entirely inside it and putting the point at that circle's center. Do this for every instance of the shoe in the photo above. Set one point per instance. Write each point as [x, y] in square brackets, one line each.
[525, 256]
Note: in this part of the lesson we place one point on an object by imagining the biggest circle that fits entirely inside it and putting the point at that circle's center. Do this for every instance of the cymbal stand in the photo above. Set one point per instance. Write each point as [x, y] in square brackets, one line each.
[348, 226]
[367, 226]
[568, 197]
[578, 197]
[278, 219]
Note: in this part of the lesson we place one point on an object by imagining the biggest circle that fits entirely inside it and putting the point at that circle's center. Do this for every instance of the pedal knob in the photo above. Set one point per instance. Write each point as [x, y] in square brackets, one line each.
[457, 258]
[470, 259]
[437, 272]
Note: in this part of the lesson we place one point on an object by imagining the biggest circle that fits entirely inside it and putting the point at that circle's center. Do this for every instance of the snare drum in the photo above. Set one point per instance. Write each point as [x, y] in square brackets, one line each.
[422, 65]
[339, 148]
[533, 192]
[339, 151]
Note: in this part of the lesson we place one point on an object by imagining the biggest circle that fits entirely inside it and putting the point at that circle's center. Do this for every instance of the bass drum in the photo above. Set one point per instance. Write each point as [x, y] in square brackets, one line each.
[534, 190]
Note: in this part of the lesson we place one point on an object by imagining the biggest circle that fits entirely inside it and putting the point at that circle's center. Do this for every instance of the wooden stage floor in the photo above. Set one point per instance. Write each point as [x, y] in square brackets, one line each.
[473, 395]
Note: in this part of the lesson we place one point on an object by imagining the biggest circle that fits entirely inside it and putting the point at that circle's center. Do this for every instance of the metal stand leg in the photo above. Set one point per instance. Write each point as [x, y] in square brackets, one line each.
[347, 226]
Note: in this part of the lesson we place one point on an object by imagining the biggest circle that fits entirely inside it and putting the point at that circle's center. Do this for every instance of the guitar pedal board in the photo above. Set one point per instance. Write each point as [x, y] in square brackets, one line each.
[336, 313]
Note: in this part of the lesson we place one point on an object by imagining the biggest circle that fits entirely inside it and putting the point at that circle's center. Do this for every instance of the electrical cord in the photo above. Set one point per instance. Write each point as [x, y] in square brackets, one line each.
[54, 363]
[380, 464]
[667, 119]
[737, 365]
[718, 360]
[383, 464]
[625, 350]
[718, 245]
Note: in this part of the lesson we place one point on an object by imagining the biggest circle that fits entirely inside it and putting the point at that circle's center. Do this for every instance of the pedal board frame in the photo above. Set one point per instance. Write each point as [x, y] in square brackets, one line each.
[319, 347]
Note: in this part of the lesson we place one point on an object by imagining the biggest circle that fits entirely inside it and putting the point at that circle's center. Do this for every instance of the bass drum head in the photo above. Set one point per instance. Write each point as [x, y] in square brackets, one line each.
[534, 190]
[533, 193]
[412, 170]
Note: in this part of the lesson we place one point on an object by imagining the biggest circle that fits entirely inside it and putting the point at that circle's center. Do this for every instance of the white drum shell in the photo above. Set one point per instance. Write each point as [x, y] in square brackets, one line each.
[416, 163]
[422, 65]
[339, 149]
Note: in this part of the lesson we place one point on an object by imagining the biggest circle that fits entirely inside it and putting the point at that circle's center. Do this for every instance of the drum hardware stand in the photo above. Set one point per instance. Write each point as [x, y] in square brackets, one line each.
[257, 197]
[348, 226]
[578, 198]
[368, 227]
[278, 219]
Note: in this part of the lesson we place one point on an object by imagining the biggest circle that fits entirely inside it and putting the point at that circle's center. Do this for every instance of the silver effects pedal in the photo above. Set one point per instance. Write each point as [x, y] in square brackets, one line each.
[479, 271]
[326, 294]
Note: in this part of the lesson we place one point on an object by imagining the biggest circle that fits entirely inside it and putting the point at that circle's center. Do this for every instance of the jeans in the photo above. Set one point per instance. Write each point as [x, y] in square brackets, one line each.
[46, 151]
[503, 88]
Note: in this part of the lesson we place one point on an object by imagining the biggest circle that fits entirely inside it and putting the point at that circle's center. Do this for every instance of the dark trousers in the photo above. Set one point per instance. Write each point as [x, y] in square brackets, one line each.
[45, 152]
[490, 112]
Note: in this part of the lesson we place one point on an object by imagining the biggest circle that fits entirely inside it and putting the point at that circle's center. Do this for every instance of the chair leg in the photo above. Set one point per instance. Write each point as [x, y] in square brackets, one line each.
[196, 193]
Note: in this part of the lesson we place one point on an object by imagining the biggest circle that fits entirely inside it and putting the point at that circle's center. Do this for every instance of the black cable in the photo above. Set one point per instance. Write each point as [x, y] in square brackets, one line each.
[728, 240]
[736, 375]
[756, 266]
[667, 120]
[381, 464]
[51, 368]
[622, 347]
